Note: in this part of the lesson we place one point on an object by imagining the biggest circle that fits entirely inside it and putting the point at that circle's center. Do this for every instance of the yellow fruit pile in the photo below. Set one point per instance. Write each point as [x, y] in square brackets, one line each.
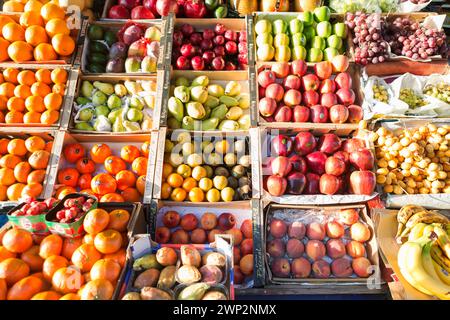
[41, 34]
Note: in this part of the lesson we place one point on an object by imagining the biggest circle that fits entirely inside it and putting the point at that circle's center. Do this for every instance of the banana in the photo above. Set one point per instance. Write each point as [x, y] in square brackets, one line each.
[440, 258]
[443, 240]
[427, 217]
[414, 267]
[427, 261]
[417, 231]
[443, 274]
[404, 214]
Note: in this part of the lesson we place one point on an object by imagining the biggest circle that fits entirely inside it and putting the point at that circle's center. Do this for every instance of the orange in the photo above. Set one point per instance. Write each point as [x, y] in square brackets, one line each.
[196, 195]
[32, 190]
[35, 103]
[2, 117]
[175, 180]
[7, 176]
[4, 44]
[49, 146]
[12, 6]
[55, 26]
[33, 5]
[64, 191]
[178, 194]
[14, 191]
[10, 75]
[63, 44]
[53, 101]
[31, 18]
[7, 89]
[17, 147]
[22, 91]
[46, 295]
[112, 197]
[16, 104]
[129, 153]
[140, 184]
[44, 52]
[4, 20]
[51, 11]
[3, 103]
[167, 170]
[49, 117]
[166, 190]
[40, 89]
[4, 145]
[189, 184]
[125, 179]
[1, 75]
[43, 75]
[3, 196]
[35, 35]
[139, 166]
[13, 32]
[32, 117]
[59, 88]
[9, 161]
[39, 159]
[26, 77]
[34, 143]
[20, 51]
[36, 176]
[58, 75]
[114, 164]
[131, 195]
[145, 148]
[21, 171]
[14, 117]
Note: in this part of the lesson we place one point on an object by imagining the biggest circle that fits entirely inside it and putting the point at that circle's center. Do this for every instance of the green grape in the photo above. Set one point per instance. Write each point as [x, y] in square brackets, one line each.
[440, 91]
[380, 93]
[411, 98]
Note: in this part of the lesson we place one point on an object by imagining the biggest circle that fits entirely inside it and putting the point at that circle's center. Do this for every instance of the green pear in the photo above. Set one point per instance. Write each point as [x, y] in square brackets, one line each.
[210, 124]
[182, 81]
[216, 90]
[86, 89]
[102, 124]
[118, 124]
[176, 108]
[84, 126]
[219, 112]
[233, 88]
[182, 93]
[199, 94]
[211, 102]
[102, 111]
[188, 123]
[133, 87]
[82, 100]
[200, 81]
[99, 98]
[114, 102]
[234, 113]
[244, 122]
[134, 115]
[173, 123]
[135, 102]
[106, 88]
[86, 114]
[120, 90]
[195, 110]
[229, 125]
[112, 116]
[131, 126]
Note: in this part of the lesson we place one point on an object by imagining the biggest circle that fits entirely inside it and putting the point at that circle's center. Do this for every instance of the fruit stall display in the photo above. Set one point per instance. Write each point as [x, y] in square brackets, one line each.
[319, 244]
[53, 267]
[327, 93]
[111, 167]
[198, 224]
[204, 167]
[311, 36]
[115, 47]
[41, 36]
[208, 102]
[25, 158]
[186, 272]
[114, 104]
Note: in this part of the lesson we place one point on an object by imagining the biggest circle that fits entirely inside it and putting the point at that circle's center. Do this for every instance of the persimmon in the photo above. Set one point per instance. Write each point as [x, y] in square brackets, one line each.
[73, 151]
[118, 220]
[99, 152]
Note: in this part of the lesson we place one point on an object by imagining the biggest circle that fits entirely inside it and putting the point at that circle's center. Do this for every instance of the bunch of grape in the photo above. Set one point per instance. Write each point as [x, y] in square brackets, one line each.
[440, 91]
[380, 93]
[408, 96]
[408, 38]
[366, 30]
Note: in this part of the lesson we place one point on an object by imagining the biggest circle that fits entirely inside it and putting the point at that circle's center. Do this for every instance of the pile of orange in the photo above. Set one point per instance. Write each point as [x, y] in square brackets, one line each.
[31, 96]
[23, 165]
[111, 178]
[41, 34]
[52, 267]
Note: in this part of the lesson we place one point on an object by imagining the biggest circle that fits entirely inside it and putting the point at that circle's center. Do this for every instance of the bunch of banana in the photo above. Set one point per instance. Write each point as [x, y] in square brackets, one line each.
[411, 215]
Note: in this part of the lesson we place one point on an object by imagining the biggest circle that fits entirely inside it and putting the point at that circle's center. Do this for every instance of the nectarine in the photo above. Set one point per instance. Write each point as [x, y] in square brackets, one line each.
[315, 249]
[297, 230]
[212, 234]
[359, 232]
[335, 248]
[162, 235]
[278, 228]
[276, 248]
[294, 248]
[236, 255]
[189, 222]
[361, 267]
[321, 269]
[208, 221]
[239, 277]
[198, 236]
[315, 231]
[300, 268]
[247, 246]
[335, 230]
[280, 267]
[179, 237]
[348, 216]
[341, 268]
[171, 219]
[355, 249]
[246, 264]
[247, 229]
[236, 234]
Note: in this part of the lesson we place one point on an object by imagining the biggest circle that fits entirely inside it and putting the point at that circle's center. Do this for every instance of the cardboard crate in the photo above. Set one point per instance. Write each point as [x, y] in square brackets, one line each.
[116, 142]
[115, 78]
[332, 281]
[215, 77]
[432, 201]
[343, 131]
[202, 136]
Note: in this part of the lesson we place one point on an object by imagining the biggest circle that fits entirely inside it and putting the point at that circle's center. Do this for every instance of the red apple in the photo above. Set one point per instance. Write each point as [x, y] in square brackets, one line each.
[140, 12]
[327, 86]
[312, 183]
[328, 99]
[342, 155]
[329, 143]
[339, 63]
[316, 162]
[275, 91]
[343, 80]
[339, 113]
[334, 166]
[208, 56]
[189, 222]
[296, 182]
[162, 235]
[281, 166]
[197, 63]
[362, 182]
[226, 221]
[292, 97]
[352, 144]
[323, 69]
[301, 114]
[362, 159]
[267, 106]
[319, 114]
[171, 219]
[304, 143]
[281, 69]
[299, 67]
[283, 114]
[329, 184]
[298, 163]
[261, 92]
[355, 113]
[276, 185]
[292, 82]
[183, 63]
[310, 98]
[346, 96]
[266, 77]
[310, 82]
[281, 145]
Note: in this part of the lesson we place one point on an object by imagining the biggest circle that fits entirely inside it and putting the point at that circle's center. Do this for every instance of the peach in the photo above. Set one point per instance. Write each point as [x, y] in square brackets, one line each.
[246, 264]
[239, 277]
[355, 249]
[189, 222]
[361, 267]
[335, 248]
[236, 234]
[162, 235]
[179, 237]
[280, 267]
[359, 232]
[171, 219]
[341, 268]
[278, 228]
[208, 221]
[349, 216]
[297, 230]
[276, 248]
[315, 231]
[247, 246]
[236, 255]
[321, 269]
[335, 230]
[294, 248]
[212, 234]
[247, 228]
[198, 236]
[300, 268]
[315, 249]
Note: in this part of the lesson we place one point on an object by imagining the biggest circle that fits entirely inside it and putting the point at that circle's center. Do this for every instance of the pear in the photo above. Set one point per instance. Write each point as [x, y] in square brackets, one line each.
[134, 115]
[219, 112]
[216, 90]
[133, 87]
[102, 111]
[195, 110]
[173, 123]
[149, 86]
[244, 122]
[118, 124]
[187, 123]
[114, 114]
[120, 90]
[182, 81]
[131, 126]
[233, 88]
[135, 102]
[182, 93]
[244, 101]
[86, 89]
[106, 88]
[147, 122]
[82, 100]
[229, 125]
[150, 101]
[99, 98]
[200, 81]
[86, 114]
[199, 94]
[210, 124]
[234, 113]
[176, 108]
[84, 126]
[168, 146]
[211, 102]
[114, 102]
[149, 64]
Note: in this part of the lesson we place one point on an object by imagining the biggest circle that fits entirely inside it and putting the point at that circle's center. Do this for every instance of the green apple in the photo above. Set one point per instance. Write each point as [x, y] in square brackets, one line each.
[265, 52]
[264, 38]
[324, 29]
[314, 55]
[282, 54]
[263, 26]
[281, 39]
[340, 29]
[306, 17]
[295, 26]
[279, 26]
[318, 42]
[298, 39]
[330, 53]
[309, 33]
[102, 111]
[322, 14]
[298, 53]
[334, 41]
